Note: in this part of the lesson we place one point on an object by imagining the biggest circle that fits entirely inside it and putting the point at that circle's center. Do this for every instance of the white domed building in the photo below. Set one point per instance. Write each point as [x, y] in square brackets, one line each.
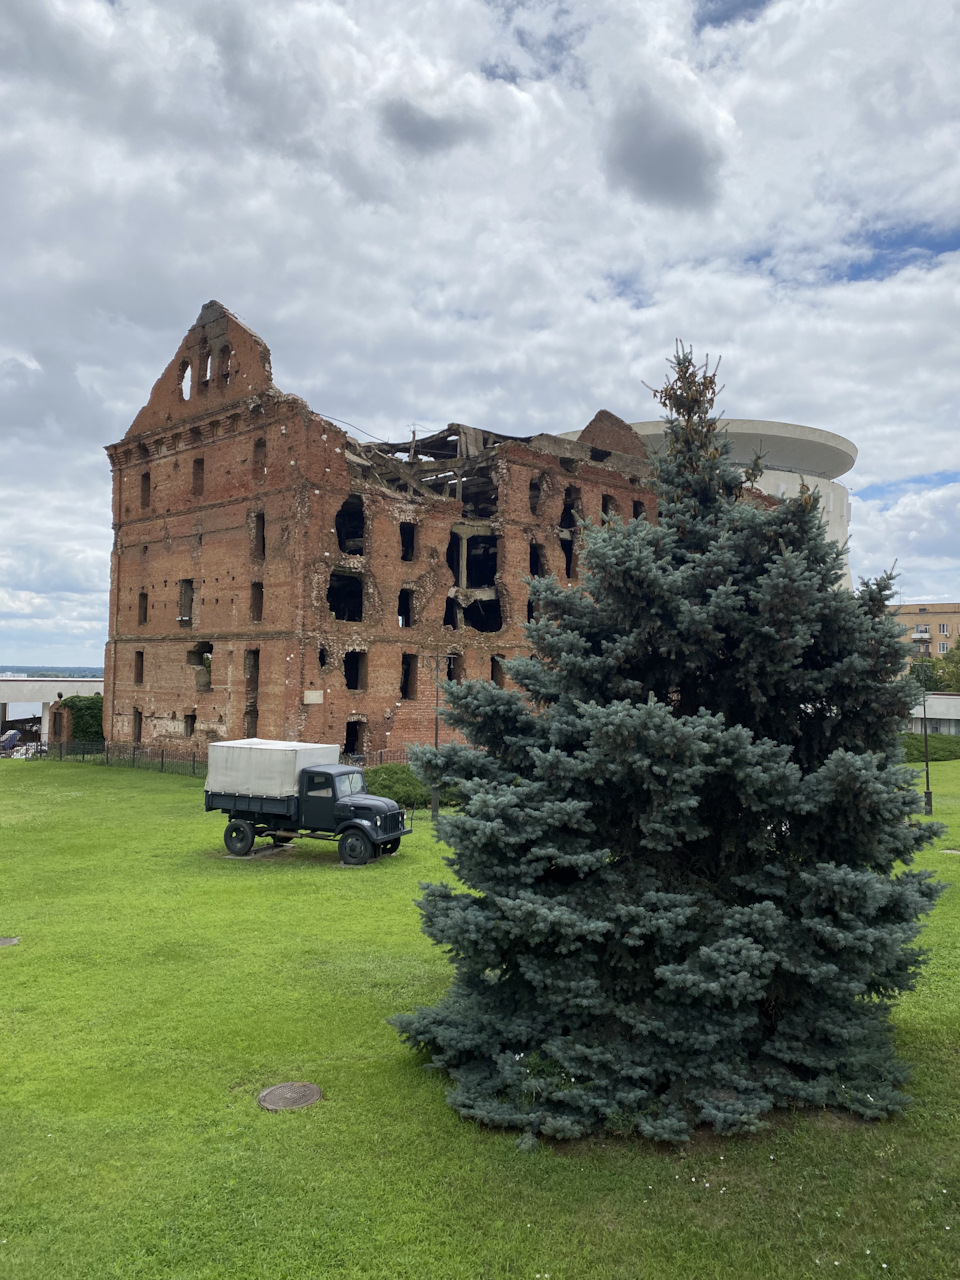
[791, 455]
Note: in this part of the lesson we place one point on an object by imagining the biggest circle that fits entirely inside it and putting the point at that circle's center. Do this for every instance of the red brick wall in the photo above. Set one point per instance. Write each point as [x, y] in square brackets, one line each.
[298, 484]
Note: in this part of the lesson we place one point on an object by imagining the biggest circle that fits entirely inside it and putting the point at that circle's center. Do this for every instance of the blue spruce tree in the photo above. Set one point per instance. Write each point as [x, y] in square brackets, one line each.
[685, 832]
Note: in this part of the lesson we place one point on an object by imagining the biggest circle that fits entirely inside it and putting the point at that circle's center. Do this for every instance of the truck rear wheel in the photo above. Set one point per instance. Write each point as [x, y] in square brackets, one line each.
[239, 837]
[356, 848]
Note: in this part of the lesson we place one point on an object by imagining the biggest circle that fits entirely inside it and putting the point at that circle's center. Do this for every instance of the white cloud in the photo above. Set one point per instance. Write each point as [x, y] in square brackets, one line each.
[500, 213]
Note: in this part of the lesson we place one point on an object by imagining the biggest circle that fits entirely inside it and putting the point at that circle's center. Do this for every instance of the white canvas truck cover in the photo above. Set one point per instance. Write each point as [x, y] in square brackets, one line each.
[262, 767]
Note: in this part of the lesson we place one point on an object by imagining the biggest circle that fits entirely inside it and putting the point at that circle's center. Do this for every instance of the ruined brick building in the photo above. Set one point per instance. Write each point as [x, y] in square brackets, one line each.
[273, 576]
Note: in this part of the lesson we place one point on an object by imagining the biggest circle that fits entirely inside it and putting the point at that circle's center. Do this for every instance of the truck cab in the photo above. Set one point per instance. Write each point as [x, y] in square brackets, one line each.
[302, 793]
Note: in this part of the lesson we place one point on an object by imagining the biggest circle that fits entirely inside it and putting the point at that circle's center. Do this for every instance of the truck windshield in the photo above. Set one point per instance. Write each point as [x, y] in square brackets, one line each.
[349, 783]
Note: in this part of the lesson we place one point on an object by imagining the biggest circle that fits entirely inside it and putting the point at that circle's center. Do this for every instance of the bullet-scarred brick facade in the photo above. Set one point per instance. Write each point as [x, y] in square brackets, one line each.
[273, 577]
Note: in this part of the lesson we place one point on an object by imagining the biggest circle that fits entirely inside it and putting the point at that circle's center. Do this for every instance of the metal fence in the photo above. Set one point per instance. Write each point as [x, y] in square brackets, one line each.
[161, 759]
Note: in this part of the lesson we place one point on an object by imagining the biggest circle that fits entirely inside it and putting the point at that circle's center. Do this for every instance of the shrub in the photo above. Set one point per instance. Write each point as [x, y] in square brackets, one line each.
[942, 746]
[87, 712]
[400, 783]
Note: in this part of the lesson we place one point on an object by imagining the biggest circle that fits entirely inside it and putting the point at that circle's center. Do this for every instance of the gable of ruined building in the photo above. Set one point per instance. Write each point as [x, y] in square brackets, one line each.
[227, 363]
[606, 431]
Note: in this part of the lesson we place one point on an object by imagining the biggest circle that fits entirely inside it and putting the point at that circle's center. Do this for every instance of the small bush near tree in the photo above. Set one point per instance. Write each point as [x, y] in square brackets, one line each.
[398, 782]
[87, 713]
[684, 832]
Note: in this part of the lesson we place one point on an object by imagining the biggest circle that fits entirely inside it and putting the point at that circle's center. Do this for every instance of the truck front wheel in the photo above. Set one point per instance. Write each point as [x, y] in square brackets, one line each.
[239, 837]
[356, 848]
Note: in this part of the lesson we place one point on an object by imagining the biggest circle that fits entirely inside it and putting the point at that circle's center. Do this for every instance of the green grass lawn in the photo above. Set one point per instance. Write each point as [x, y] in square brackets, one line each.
[158, 987]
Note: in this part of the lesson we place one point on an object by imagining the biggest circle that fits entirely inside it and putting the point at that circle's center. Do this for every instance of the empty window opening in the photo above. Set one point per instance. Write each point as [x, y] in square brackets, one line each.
[531, 612]
[479, 495]
[58, 724]
[639, 510]
[481, 561]
[259, 456]
[259, 547]
[609, 506]
[186, 377]
[405, 608]
[137, 725]
[200, 657]
[138, 667]
[349, 526]
[355, 669]
[223, 366]
[497, 673]
[256, 601]
[571, 508]
[142, 608]
[453, 558]
[144, 490]
[538, 561]
[599, 455]
[483, 615]
[345, 597]
[408, 541]
[321, 658]
[189, 725]
[197, 477]
[455, 667]
[205, 362]
[566, 546]
[251, 672]
[451, 614]
[354, 738]
[251, 718]
[536, 492]
[185, 603]
[408, 676]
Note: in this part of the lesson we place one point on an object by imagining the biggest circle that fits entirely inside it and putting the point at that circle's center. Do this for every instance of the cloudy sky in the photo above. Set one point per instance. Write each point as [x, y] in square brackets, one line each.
[500, 212]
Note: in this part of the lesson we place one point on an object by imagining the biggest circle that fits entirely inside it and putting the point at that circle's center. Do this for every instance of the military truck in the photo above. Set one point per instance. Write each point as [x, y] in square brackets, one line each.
[286, 790]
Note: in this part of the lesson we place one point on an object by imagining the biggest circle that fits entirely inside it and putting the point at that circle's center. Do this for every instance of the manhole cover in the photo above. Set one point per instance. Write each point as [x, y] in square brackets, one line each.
[9, 942]
[285, 1097]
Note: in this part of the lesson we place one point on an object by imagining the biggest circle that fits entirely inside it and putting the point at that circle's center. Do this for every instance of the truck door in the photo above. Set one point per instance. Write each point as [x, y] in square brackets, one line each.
[316, 808]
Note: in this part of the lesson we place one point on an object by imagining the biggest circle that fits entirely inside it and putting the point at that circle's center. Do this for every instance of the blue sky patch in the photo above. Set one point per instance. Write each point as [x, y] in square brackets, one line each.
[887, 252]
[893, 489]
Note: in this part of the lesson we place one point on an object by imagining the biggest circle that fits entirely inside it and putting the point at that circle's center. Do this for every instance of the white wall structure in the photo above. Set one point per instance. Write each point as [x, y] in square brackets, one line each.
[943, 714]
[792, 454]
[44, 691]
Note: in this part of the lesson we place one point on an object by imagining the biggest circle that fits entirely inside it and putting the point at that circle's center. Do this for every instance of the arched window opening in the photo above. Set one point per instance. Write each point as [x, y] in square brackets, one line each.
[405, 608]
[538, 561]
[204, 368]
[455, 667]
[497, 673]
[355, 669]
[536, 491]
[185, 379]
[259, 457]
[639, 510]
[200, 657]
[223, 365]
[355, 738]
[408, 677]
[349, 525]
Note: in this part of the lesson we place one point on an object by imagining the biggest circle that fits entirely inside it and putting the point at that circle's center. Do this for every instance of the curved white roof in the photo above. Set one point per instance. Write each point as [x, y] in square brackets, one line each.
[786, 446]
